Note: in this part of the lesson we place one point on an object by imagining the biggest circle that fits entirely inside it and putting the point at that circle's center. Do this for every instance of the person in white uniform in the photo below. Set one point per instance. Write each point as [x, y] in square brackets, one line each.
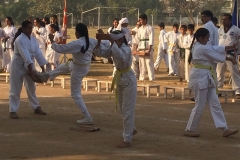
[181, 51]
[81, 50]
[135, 57]
[9, 31]
[46, 22]
[124, 23]
[170, 47]
[40, 33]
[2, 35]
[203, 84]
[126, 84]
[228, 35]
[145, 38]
[51, 55]
[187, 43]
[162, 54]
[26, 48]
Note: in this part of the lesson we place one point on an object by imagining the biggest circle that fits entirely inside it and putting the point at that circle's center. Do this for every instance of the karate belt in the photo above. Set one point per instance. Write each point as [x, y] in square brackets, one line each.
[214, 75]
[71, 60]
[116, 80]
[145, 42]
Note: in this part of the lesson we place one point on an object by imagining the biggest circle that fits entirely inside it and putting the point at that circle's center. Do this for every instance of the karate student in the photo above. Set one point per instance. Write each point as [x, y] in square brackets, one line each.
[162, 54]
[51, 55]
[81, 50]
[26, 48]
[2, 35]
[187, 43]
[40, 33]
[228, 35]
[126, 84]
[124, 23]
[170, 46]
[135, 58]
[145, 37]
[46, 22]
[215, 22]
[9, 31]
[53, 19]
[203, 84]
[181, 51]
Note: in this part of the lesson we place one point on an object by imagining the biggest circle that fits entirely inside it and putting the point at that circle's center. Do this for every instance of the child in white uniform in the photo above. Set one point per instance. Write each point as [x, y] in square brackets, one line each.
[22, 69]
[81, 50]
[203, 84]
[126, 85]
[9, 31]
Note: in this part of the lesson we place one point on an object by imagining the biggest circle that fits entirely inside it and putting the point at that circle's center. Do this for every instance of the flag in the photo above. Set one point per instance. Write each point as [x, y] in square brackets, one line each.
[64, 27]
[235, 18]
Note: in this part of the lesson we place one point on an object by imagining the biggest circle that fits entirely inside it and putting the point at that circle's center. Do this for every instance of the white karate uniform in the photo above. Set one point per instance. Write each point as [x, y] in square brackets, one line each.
[204, 87]
[2, 34]
[135, 58]
[180, 44]
[8, 54]
[109, 31]
[25, 50]
[127, 85]
[187, 44]
[145, 38]
[52, 56]
[161, 54]
[78, 68]
[170, 39]
[213, 31]
[128, 36]
[228, 39]
[41, 39]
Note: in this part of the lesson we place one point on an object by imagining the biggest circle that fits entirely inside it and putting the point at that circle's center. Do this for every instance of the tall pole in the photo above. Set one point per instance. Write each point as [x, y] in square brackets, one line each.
[99, 16]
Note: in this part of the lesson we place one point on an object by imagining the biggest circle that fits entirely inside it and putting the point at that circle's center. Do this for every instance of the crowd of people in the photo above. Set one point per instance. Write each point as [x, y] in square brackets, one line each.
[200, 58]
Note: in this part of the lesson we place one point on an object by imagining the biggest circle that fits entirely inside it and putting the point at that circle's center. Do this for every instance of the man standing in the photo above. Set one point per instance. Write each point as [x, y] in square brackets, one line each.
[228, 35]
[145, 37]
[161, 53]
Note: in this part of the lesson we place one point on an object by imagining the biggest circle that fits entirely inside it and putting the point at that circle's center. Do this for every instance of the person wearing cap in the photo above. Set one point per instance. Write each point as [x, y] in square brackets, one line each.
[124, 23]
[161, 53]
[125, 80]
[145, 37]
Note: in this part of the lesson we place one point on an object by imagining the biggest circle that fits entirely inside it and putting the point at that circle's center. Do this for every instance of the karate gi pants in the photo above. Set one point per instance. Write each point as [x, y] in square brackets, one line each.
[187, 66]
[146, 62]
[173, 59]
[202, 98]
[78, 72]
[7, 58]
[235, 75]
[181, 70]
[161, 56]
[135, 61]
[18, 75]
[127, 100]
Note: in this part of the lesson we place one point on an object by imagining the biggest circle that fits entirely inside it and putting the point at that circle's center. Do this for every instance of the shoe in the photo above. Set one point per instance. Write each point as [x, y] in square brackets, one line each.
[175, 74]
[85, 120]
[229, 132]
[192, 99]
[237, 96]
[43, 76]
[167, 70]
[191, 134]
[39, 111]
[170, 74]
[13, 115]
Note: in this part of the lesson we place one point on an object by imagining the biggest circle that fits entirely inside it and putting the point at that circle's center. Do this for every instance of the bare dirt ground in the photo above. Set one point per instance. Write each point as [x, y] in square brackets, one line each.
[160, 123]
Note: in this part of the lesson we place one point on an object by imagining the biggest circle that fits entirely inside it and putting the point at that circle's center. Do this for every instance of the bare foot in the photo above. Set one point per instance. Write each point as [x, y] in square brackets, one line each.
[134, 132]
[123, 145]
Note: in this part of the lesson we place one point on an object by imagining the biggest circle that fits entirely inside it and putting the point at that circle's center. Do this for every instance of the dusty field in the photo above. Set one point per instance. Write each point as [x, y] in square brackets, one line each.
[160, 123]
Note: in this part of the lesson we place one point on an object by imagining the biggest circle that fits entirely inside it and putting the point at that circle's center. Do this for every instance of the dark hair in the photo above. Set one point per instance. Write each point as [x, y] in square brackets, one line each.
[38, 20]
[115, 19]
[10, 19]
[184, 27]
[83, 31]
[25, 23]
[55, 16]
[0, 24]
[143, 16]
[175, 25]
[54, 26]
[19, 31]
[161, 25]
[124, 38]
[227, 15]
[46, 19]
[207, 13]
[191, 26]
[201, 32]
[214, 20]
